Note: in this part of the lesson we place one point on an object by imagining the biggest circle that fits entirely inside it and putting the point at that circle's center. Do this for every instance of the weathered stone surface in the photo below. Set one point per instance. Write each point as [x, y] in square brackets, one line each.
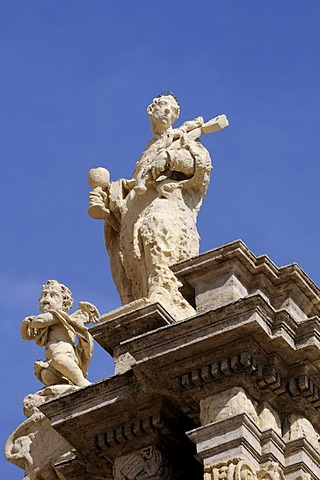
[118, 418]
[236, 437]
[150, 220]
[231, 272]
[297, 426]
[68, 344]
[269, 419]
[235, 469]
[241, 379]
[34, 446]
[225, 405]
[118, 326]
[147, 463]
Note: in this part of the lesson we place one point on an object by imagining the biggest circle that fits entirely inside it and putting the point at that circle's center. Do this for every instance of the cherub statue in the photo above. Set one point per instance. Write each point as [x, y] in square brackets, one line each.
[150, 219]
[68, 344]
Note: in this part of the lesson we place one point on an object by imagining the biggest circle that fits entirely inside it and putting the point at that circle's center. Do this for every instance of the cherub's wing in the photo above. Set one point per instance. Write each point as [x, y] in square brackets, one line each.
[89, 311]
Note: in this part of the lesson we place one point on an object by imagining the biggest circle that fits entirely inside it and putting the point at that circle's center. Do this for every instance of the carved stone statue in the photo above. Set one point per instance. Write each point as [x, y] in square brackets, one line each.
[34, 445]
[68, 344]
[150, 220]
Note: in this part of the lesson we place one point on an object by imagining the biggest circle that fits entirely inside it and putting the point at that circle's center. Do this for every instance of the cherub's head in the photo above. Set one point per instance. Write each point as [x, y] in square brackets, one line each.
[54, 296]
[163, 111]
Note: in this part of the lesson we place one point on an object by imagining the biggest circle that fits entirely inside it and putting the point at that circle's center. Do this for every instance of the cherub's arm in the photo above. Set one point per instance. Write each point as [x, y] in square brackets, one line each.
[43, 320]
[30, 325]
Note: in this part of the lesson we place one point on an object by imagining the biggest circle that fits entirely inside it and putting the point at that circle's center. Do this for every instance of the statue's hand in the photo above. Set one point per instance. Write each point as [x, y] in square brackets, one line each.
[159, 164]
[27, 332]
[98, 199]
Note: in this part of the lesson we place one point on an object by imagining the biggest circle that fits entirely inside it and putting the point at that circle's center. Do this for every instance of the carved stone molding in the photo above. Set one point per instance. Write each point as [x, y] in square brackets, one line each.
[127, 432]
[209, 274]
[235, 469]
[240, 469]
[272, 471]
[265, 376]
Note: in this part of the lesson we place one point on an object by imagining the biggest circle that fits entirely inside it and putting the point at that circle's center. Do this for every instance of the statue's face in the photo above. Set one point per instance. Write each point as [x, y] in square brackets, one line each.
[51, 299]
[165, 112]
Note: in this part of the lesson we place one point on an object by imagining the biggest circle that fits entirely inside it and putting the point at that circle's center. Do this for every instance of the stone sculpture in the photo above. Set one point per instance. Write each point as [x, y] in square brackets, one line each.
[271, 472]
[146, 463]
[68, 344]
[150, 220]
[235, 469]
[34, 445]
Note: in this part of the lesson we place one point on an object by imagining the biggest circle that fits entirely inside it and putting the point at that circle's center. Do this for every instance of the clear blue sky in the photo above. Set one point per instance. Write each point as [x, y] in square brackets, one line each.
[75, 81]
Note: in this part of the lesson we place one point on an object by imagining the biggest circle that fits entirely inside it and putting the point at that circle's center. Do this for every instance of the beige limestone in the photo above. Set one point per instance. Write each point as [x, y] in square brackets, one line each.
[99, 181]
[235, 469]
[269, 418]
[128, 321]
[150, 220]
[226, 404]
[272, 471]
[235, 437]
[68, 344]
[300, 426]
[34, 446]
[231, 272]
[267, 352]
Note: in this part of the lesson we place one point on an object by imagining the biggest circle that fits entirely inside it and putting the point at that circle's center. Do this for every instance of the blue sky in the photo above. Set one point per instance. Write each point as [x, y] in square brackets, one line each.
[75, 80]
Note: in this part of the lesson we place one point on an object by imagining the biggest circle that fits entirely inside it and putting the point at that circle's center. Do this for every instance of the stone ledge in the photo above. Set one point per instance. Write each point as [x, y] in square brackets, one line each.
[237, 436]
[124, 325]
[231, 272]
[251, 316]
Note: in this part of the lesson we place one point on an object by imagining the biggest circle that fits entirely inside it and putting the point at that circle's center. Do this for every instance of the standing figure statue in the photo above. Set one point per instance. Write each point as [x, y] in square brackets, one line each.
[150, 220]
[68, 344]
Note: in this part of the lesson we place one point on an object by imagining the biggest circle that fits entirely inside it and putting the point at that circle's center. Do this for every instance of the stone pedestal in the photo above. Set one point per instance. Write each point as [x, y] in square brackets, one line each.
[229, 393]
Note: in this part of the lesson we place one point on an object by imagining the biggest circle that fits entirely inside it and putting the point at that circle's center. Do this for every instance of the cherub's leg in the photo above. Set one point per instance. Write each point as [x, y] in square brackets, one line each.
[46, 375]
[49, 377]
[68, 367]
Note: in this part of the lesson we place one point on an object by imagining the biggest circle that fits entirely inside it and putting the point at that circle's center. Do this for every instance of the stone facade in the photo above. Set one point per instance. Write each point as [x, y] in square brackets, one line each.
[229, 393]
[216, 357]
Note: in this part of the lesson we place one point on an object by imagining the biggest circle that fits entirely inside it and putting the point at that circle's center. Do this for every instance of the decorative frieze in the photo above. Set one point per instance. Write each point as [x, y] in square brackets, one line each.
[235, 469]
[265, 377]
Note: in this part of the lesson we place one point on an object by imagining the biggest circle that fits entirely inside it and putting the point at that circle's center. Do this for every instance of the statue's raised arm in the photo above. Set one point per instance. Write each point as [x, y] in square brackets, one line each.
[150, 220]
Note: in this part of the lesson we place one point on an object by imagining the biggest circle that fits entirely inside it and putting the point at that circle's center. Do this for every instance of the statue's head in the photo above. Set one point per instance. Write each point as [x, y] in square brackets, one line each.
[55, 296]
[163, 111]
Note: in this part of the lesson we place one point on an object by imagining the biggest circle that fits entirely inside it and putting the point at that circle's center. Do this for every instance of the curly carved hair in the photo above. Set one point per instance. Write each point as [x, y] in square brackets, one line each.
[158, 99]
[66, 293]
